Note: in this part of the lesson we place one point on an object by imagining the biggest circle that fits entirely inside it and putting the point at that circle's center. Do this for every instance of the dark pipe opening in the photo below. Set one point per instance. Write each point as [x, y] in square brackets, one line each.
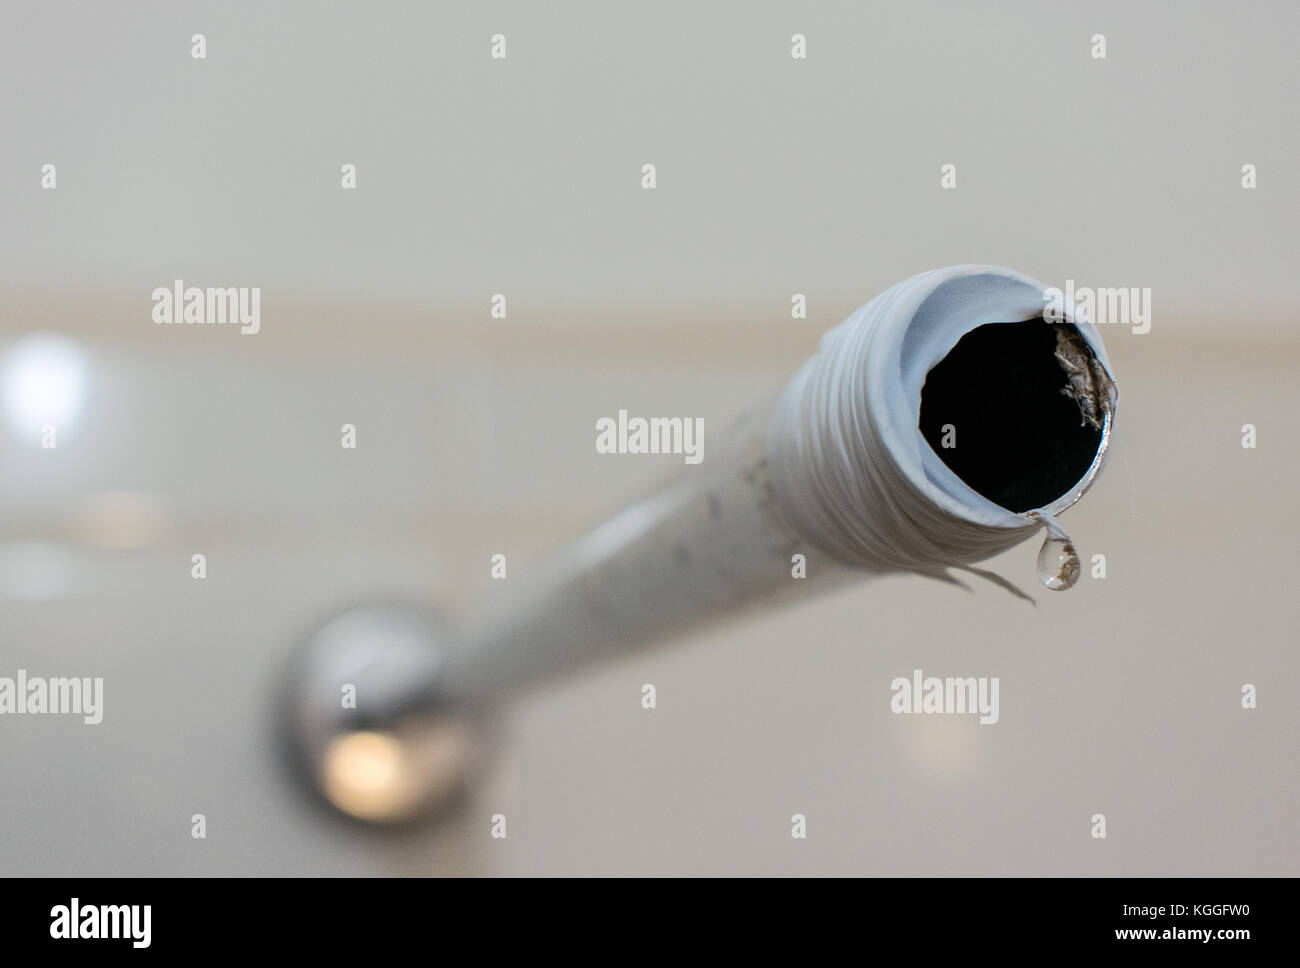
[1024, 429]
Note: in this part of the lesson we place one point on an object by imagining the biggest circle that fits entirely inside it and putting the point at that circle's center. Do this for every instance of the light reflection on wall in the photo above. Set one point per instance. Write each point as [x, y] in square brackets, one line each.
[43, 379]
[948, 747]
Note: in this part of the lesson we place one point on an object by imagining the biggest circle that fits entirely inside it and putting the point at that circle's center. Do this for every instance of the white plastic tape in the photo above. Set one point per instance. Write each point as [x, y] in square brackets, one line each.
[848, 464]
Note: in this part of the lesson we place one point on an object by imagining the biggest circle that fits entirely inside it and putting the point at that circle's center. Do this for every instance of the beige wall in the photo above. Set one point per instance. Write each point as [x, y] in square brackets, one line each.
[775, 176]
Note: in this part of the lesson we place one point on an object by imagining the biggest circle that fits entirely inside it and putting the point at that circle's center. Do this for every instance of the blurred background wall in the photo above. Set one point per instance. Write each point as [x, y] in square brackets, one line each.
[775, 176]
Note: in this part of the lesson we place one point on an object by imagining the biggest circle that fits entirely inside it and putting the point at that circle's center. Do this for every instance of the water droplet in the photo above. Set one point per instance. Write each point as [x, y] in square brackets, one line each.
[1058, 562]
